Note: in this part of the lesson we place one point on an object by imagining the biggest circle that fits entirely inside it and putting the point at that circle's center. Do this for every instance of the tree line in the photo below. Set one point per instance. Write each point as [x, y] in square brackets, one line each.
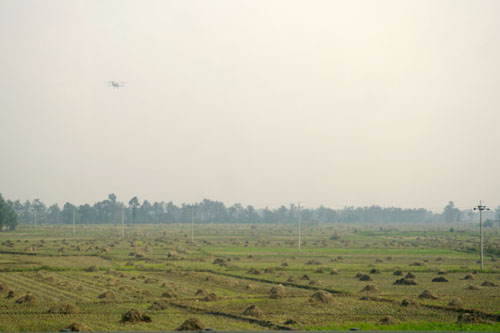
[109, 211]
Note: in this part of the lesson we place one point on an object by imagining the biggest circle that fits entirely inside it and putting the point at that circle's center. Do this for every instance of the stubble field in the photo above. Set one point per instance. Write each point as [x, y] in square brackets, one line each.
[243, 277]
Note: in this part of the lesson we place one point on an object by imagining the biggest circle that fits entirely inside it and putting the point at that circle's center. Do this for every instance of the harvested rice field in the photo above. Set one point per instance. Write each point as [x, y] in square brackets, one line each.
[247, 277]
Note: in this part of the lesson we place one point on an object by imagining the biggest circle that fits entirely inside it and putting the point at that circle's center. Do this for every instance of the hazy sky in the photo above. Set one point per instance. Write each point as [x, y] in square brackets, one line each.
[395, 103]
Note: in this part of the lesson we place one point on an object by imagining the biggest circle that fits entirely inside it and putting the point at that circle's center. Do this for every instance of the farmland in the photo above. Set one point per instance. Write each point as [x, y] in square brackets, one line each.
[248, 277]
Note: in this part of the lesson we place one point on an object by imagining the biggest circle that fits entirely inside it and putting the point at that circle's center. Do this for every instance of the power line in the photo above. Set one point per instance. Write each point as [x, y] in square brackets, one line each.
[123, 222]
[299, 227]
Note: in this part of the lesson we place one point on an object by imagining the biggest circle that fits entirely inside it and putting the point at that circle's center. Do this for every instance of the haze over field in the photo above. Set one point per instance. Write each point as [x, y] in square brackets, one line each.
[338, 103]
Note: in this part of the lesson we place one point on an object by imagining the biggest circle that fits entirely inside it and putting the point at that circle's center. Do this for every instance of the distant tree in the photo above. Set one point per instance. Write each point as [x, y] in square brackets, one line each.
[252, 215]
[451, 214]
[86, 214]
[39, 209]
[54, 214]
[268, 215]
[146, 212]
[112, 197]
[67, 213]
[134, 203]
[26, 213]
[282, 214]
[172, 212]
[8, 216]
[18, 207]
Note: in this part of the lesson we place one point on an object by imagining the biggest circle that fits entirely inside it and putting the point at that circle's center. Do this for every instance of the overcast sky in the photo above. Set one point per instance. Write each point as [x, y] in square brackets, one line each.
[395, 103]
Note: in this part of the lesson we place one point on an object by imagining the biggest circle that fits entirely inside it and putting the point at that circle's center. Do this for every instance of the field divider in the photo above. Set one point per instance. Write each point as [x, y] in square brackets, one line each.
[284, 283]
[44, 254]
[482, 314]
[263, 323]
[479, 313]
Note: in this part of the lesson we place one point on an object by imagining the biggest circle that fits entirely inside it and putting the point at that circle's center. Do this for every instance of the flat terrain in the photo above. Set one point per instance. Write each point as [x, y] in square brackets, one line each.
[243, 277]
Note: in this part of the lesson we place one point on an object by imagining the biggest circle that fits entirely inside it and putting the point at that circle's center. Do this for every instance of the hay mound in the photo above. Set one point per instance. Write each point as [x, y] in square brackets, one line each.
[417, 263]
[439, 279]
[426, 294]
[388, 321]
[321, 296]
[334, 271]
[269, 270]
[305, 277]
[398, 273]
[67, 308]
[365, 278]
[191, 324]
[471, 318]
[277, 292]
[369, 288]
[93, 268]
[77, 327]
[405, 282]
[107, 295]
[469, 277]
[169, 294]
[456, 302]
[253, 271]
[410, 275]
[218, 261]
[26, 299]
[11, 294]
[254, 311]
[291, 321]
[407, 302]
[201, 292]
[313, 262]
[125, 288]
[135, 316]
[471, 287]
[210, 297]
[159, 305]
[3, 287]
[488, 284]
[375, 271]
[442, 272]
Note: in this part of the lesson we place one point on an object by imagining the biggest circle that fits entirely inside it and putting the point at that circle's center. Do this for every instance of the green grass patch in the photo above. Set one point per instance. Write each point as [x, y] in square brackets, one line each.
[421, 326]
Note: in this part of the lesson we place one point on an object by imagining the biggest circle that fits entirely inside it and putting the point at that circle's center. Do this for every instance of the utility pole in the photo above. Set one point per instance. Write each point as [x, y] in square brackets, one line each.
[480, 208]
[192, 224]
[299, 227]
[123, 222]
[35, 219]
[74, 214]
